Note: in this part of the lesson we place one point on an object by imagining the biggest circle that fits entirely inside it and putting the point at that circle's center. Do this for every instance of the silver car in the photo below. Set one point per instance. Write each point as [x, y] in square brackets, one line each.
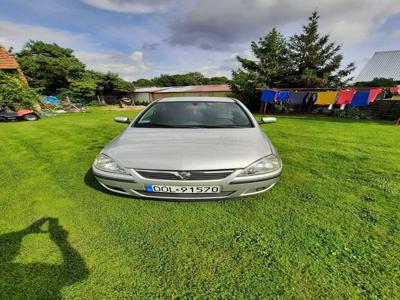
[190, 148]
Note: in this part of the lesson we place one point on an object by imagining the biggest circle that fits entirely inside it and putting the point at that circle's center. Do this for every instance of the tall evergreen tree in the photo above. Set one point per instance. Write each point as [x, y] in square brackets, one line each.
[269, 69]
[271, 64]
[316, 60]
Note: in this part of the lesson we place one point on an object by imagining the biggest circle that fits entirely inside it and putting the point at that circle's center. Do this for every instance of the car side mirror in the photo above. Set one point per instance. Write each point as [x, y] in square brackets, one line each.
[122, 120]
[266, 120]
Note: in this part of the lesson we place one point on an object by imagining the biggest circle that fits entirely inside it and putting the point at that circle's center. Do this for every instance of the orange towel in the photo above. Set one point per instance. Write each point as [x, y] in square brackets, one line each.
[326, 98]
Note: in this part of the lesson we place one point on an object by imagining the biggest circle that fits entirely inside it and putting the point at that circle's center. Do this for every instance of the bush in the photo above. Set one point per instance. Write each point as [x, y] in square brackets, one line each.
[13, 91]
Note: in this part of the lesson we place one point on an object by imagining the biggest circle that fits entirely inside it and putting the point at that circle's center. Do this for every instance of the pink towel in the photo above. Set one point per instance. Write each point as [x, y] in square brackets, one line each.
[344, 97]
[373, 93]
[395, 90]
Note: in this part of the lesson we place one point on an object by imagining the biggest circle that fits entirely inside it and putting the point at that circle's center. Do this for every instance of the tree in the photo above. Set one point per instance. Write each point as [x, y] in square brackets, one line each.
[111, 84]
[217, 80]
[191, 78]
[244, 86]
[49, 67]
[378, 82]
[269, 69]
[271, 64]
[13, 91]
[56, 71]
[316, 61]
[143, 82]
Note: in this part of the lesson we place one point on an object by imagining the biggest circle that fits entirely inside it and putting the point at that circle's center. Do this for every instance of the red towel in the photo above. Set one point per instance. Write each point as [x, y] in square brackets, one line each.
[395, 90]
[344, 97]
[373, 93]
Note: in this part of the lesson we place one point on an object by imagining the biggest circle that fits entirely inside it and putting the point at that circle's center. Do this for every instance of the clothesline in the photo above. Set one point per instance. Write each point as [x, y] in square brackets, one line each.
[328, 88]
[307, 97]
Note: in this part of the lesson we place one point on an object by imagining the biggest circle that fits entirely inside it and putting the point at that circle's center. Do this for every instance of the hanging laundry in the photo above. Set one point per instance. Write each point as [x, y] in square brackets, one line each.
[296, 98]
[373, 93]
[268, 96]
[326, 98]
[282, 96]
[395, 90]
[344, 97]
[360, 99]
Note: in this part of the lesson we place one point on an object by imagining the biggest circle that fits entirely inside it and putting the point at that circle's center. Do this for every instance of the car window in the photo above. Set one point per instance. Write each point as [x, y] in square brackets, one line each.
[202, 114]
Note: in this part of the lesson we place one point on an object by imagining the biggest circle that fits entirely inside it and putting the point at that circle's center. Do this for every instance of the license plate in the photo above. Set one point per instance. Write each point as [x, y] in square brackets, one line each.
[182, 189]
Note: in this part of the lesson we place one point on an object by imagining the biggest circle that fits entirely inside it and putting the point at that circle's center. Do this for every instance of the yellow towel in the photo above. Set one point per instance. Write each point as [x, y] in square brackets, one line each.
[326, 98]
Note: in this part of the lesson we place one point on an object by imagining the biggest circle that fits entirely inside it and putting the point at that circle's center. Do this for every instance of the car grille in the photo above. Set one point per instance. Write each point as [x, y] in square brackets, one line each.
[184, 175]
[177, 196]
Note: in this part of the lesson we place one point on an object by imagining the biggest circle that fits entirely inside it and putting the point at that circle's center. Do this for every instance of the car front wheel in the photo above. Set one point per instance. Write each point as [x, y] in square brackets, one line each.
[30, 117]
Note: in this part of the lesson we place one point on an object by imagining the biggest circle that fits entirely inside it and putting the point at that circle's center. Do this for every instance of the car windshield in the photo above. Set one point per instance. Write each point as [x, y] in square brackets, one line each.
[195, 114]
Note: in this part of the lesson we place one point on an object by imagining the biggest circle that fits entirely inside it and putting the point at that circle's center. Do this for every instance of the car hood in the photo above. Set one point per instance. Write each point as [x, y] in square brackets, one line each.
[188, 149]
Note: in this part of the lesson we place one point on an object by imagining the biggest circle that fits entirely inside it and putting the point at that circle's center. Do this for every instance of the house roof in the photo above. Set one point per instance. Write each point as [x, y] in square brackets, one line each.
[196, 89]
[211, 88]
[384, 64]
[149, 89]
[7, 61]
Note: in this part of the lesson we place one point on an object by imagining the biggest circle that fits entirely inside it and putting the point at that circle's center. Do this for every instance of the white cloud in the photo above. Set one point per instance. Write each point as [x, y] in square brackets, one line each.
[129, 67]
[137, 56]
[131, 6]
[17, 34]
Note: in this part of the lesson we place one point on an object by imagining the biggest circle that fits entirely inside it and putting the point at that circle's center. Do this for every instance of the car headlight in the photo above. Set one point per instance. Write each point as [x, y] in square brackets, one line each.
[105, 163]
[264, 165]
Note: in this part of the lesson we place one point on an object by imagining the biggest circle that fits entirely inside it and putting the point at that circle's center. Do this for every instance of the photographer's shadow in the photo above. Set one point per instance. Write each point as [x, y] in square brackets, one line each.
[38, 280]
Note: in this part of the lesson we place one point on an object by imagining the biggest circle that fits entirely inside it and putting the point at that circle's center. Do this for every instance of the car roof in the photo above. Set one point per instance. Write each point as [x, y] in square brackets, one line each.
[197, 99]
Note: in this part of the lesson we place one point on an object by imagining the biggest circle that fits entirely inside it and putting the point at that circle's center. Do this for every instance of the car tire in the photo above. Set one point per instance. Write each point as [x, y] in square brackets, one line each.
[2, 119]
[30, 117]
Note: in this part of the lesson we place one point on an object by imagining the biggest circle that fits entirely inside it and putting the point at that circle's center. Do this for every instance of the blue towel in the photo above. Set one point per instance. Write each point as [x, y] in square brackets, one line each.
[360, 99]
[50, 100]
[282, 96]
[296, 98]
[268, 96]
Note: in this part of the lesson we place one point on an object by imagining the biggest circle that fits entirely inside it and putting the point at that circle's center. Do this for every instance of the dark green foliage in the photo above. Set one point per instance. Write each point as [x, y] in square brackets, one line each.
[13, 91]
[49, 67]
[111, 84]
[244, 88]
[271, 64]
[56, 71]
[143, 82]
[378, 82]
[316, 61]
[191, 78]
[268, 69]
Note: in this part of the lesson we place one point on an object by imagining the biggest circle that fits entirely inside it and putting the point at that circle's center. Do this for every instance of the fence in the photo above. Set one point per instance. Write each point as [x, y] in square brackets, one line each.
[384, 109]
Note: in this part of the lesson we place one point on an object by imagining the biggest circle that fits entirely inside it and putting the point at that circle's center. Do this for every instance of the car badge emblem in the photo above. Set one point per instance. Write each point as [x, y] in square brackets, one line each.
[184, 175]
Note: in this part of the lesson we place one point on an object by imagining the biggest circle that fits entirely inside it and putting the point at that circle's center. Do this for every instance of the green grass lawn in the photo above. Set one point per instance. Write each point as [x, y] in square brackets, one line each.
[329, 229]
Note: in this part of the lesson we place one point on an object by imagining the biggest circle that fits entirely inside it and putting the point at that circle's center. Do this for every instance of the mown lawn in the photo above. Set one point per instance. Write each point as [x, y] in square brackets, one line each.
[329, 229]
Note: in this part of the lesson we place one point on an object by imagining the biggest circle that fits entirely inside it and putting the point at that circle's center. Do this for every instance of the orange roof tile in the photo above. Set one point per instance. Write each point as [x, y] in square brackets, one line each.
[7, 61]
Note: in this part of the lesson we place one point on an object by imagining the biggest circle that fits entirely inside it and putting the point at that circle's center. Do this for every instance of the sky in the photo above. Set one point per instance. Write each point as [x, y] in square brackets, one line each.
[146, 38]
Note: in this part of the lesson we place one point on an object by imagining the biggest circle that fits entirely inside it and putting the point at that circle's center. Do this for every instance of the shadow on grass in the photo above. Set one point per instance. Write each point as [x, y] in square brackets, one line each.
[38, 280]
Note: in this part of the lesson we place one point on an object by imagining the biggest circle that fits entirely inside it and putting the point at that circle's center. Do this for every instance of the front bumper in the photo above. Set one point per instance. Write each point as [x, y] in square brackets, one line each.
[230, 187]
